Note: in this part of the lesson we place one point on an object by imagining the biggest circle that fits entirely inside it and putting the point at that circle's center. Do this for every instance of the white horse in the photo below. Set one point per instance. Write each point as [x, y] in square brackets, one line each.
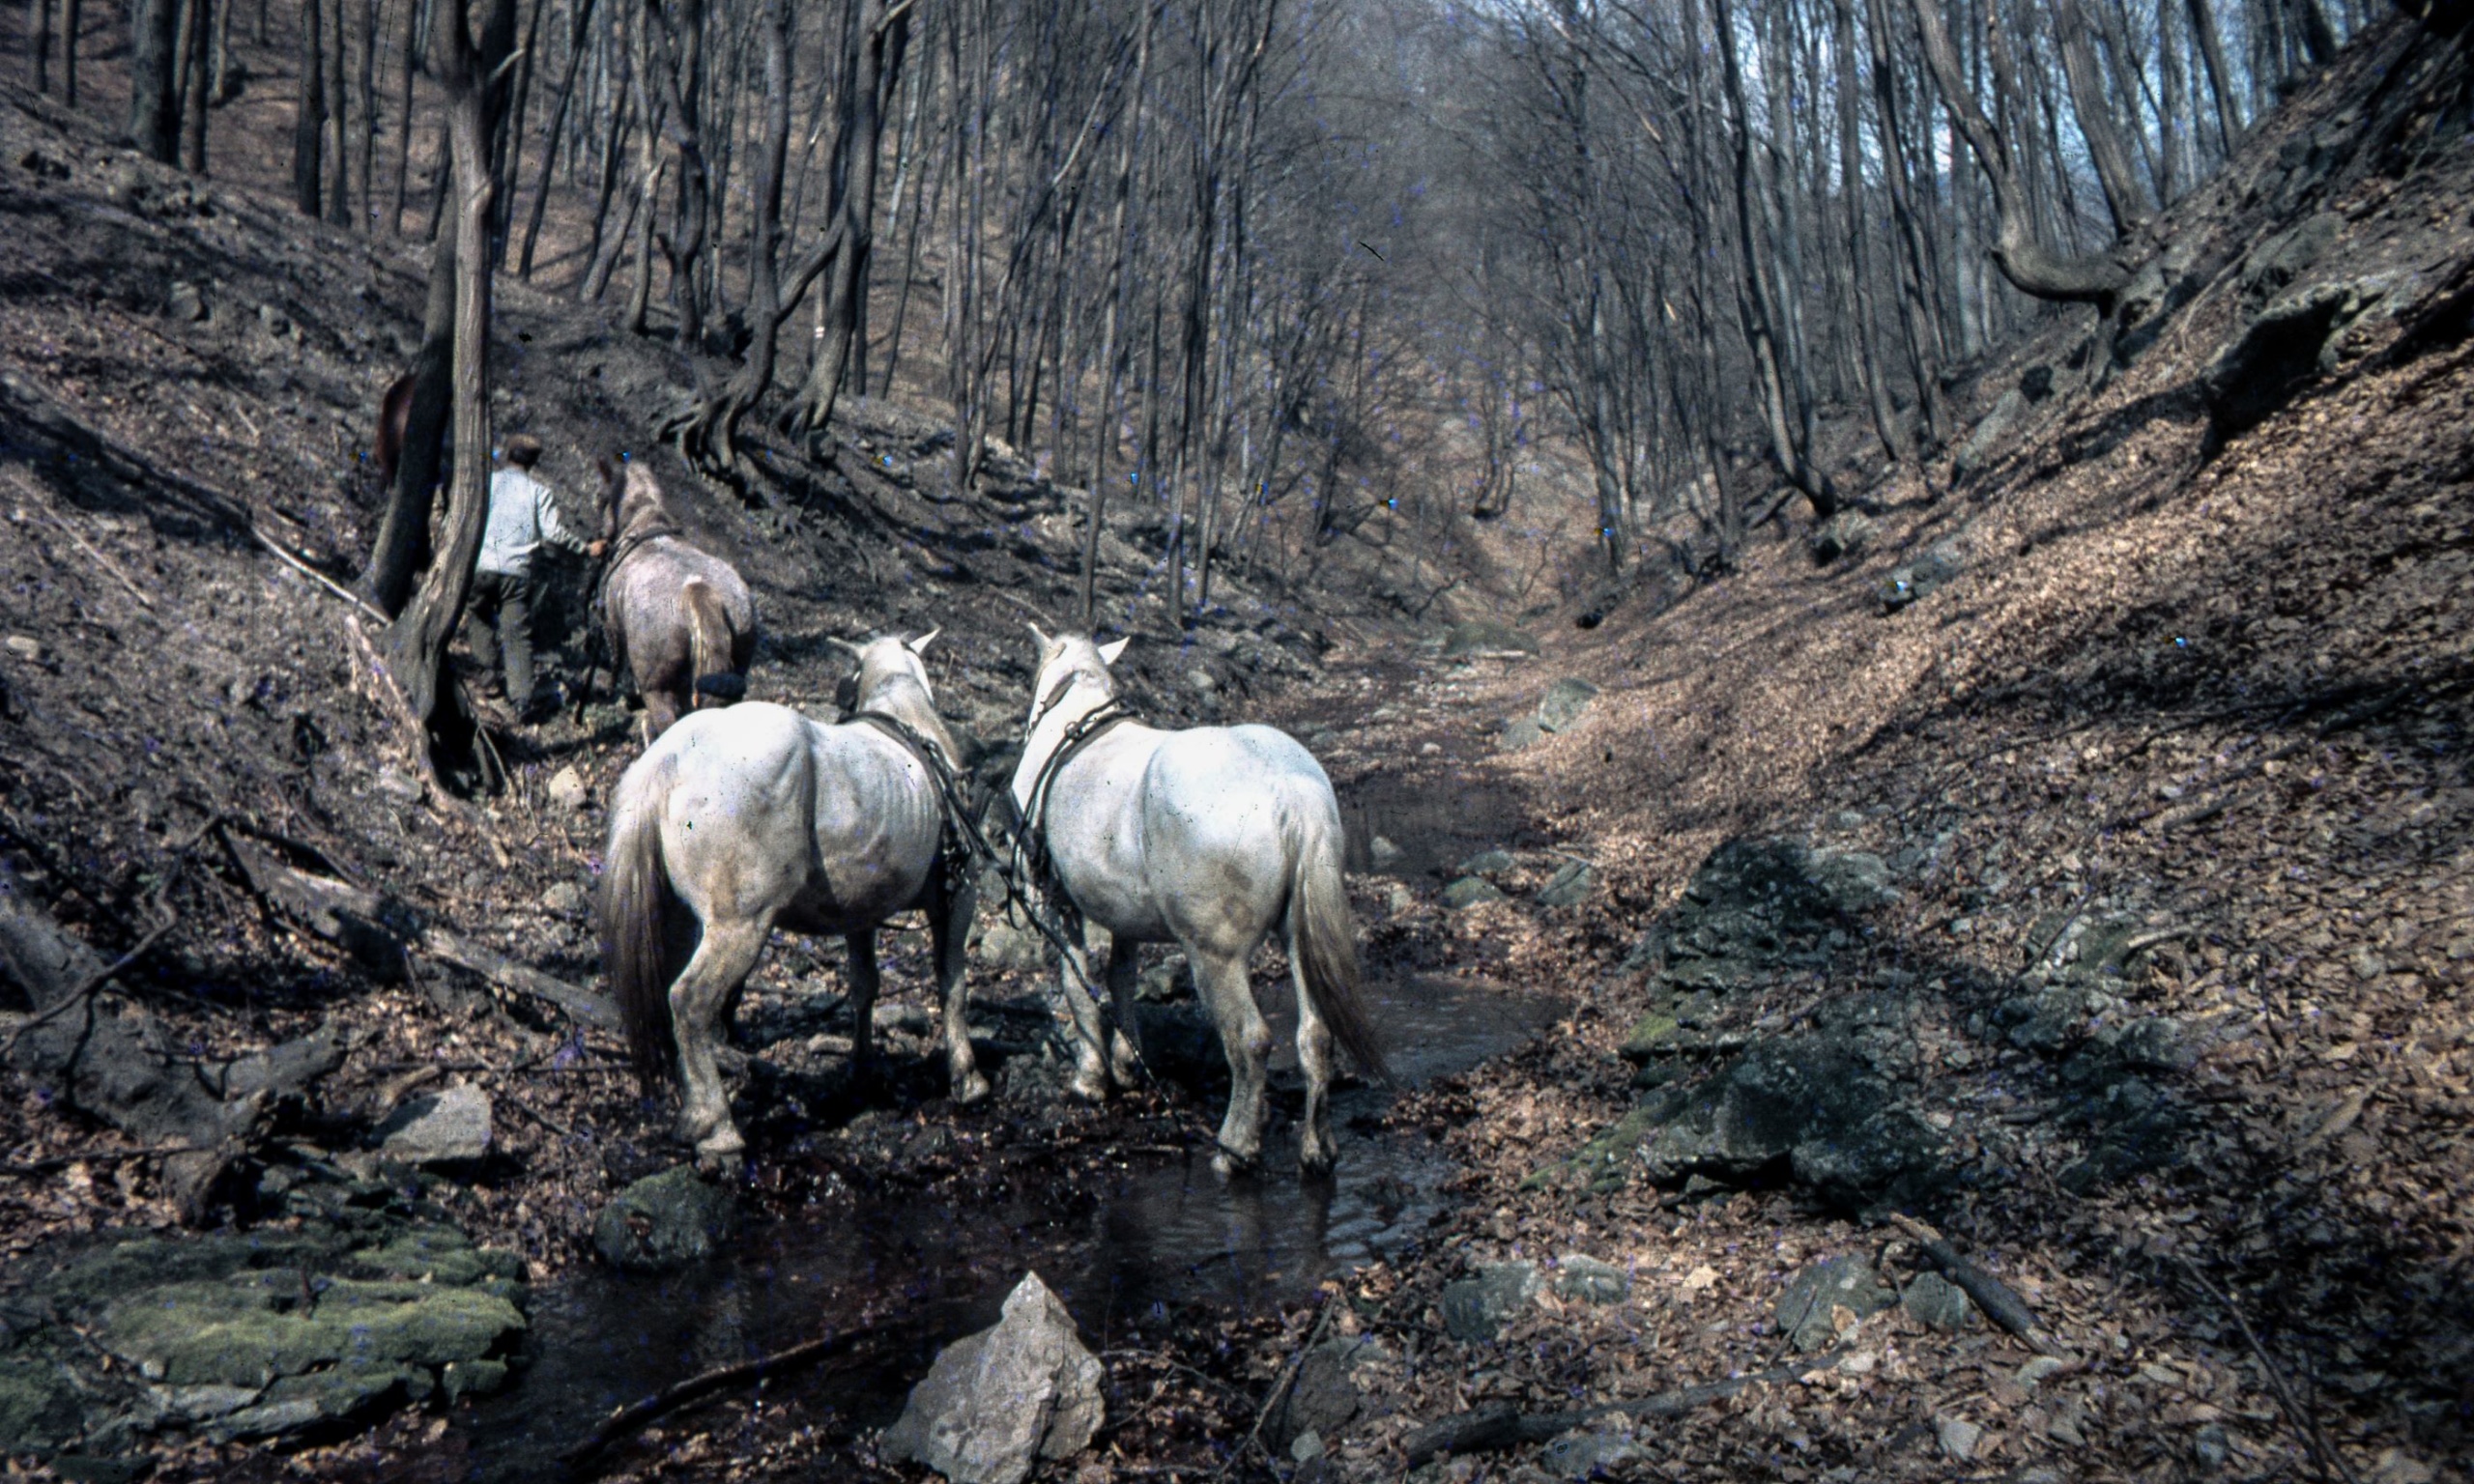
[1212, 838]
[746, 818]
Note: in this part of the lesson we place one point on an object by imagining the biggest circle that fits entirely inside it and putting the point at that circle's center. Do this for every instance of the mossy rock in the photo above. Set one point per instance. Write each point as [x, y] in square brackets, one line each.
[254, 1328]
[38, 1405]
[1651, 1034]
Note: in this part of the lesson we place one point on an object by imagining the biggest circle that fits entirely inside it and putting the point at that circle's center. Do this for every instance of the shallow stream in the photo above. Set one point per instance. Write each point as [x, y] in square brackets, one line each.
[1165, 1231]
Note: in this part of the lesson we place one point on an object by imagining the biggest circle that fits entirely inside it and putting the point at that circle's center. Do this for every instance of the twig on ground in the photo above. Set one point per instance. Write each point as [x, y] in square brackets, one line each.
[2000, 1304]
[543, 1119]
[314, 574]
[2304, 1421]
[627, 1419]
[1279, 1391]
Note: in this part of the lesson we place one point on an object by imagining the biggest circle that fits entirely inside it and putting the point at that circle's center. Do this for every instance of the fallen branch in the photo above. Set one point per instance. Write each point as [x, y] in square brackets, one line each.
[57, 1162]
[627, 1419]
[1279, 1390]
[372, 926]
[316, 576]
[2304, 1421]
[1503, 1425]
[2000, 1304]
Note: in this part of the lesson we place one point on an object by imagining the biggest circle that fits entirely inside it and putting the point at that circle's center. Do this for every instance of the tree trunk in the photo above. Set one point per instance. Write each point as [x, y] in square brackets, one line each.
[338, 144]
[416, 648]
[2219, 83]
[550, 141]
[310, 121]
[192, 34]
[402, 547]
[404, 116]
[2032, 268]
[2125, 198]
[39, 42]
[878, 43]
[153, 59]
[365, 138]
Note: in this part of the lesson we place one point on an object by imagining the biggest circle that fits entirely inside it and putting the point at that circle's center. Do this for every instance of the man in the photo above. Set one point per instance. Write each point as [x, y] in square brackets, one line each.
[521, 516]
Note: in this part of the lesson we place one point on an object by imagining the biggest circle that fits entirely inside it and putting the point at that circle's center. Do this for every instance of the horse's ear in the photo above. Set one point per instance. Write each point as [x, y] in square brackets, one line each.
[856, 651]
[1109, 651]
[1046, 644]
[919, 646]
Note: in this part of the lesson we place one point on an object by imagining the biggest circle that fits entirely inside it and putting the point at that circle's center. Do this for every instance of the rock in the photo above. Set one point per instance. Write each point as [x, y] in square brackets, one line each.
[1569, 885]
[274, 321]
[1486, 863]
[1325, 1398]
[1958, 1436]
[1487, 636]
[26, 648]
[1478, 1307]
[1398, 899]
[1589, 1281]
[1811, 1105]
[666, 1220]
[1168, 982]
[1757, 907]
[1469, 890]
[1008, 949]
[1587, 1455]
[1935, 1300]
[2292, 340]
[1806, 1311]
[567, 790]
[1973, 455]
[1384, 855]
[1845, 534]
[565, 899]
[2286, 256]
[996, 1402]
[447, 1127]
[184, 303]
[1651, 1034]
[1565, 703]
[1921, 578]
[1521, 731]
[1202, 681]
[2210, 1448]
[2040, 1369]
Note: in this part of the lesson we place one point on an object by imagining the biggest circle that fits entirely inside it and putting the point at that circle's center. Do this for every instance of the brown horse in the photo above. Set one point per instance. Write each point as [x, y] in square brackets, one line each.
[678, 617]
[394, 425]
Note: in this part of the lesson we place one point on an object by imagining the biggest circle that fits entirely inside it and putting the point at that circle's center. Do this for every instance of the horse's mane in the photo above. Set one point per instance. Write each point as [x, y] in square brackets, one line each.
[644, 510]
[903, 697]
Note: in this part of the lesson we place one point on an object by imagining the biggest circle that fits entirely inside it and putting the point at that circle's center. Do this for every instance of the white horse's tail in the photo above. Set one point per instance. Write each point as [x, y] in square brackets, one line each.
[1322, 938]
[635, 902]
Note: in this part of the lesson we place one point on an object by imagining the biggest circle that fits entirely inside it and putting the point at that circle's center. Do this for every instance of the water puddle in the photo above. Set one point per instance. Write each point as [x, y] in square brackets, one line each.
[1165, 1231]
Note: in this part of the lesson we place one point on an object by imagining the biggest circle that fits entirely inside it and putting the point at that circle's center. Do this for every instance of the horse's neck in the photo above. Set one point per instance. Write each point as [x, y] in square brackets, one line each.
[907, 701]
[1051, 734]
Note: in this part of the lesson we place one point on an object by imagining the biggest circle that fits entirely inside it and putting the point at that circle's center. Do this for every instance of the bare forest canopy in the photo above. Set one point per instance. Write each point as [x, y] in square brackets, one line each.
[1277, 273]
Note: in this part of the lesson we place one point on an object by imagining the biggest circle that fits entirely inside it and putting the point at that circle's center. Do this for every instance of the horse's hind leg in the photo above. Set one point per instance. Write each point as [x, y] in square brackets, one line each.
[1248, 1041]
[698, 998]
[1090, 1079]
[949, 917]
[1315, 1152]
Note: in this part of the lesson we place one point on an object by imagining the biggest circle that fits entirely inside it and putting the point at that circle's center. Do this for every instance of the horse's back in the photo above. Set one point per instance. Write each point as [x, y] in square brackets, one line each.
[1232, 804]
[1237, 770]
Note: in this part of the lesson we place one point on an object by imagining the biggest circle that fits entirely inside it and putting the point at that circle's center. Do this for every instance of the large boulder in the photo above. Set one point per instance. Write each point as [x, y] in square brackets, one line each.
[1808, 1310]
[2292, 340]
[1486, 636]
[1979, 449]
[1812, 1108]
[1915, 581]
[995, 1403]
[1477, 1307]
[1565, 703]
[666, 1220]
[1759, 906]
[450, 1127]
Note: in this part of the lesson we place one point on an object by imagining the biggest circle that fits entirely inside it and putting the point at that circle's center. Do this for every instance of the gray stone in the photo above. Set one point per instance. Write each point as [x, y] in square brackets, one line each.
[274, 320]
[566, 788]
[184, 303]
[1935, 1300]
[445, 1128]
[1384, 855]
[1977, 450]
[995, 1403]
[1325, 1398]
[2291, 341]
[1486, 863]
[1805, 1309]
[1958, 1436]
[1845, 534]
[1476, 1308]
[1487, 636]
[1565, 703]
[2286, 256]
[1008, 949]
[1812, 1105]
[1518, 733]
[1589, 1281]
[1758, 907]
[1168, 982]
[1202, 681]
[1923, 577]
[2210, 1448]
[565, 899]
[1587, 1455]
[664, 1221]
[1469, 890]
[1570, 885]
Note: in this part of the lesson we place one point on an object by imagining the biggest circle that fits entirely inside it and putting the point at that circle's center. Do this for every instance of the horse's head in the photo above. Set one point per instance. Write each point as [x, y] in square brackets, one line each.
[892, 680]
[1066, 662]
[634, 499]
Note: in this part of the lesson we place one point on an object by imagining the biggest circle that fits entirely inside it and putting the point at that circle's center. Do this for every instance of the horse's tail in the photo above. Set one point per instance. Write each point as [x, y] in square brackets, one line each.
[1322, 940]
[635, 903]
[713, 668]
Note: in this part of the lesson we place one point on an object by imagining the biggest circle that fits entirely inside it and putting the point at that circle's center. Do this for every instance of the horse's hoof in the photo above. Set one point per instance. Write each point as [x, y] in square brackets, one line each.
[1228, 1165]
[972, 1089]
[1316, 1163]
